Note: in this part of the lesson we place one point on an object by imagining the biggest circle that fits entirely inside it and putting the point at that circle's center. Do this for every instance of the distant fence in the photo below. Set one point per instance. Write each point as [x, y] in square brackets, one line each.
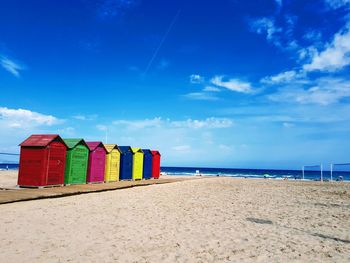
[320, 168]
[311, 166]
[337, 164]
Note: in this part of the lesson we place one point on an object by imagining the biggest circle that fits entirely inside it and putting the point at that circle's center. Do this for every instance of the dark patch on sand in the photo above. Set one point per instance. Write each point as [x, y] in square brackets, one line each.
[259, 220]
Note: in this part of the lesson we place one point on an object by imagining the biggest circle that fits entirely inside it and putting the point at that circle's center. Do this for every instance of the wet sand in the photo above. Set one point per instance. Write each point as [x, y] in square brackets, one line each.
[207, 220]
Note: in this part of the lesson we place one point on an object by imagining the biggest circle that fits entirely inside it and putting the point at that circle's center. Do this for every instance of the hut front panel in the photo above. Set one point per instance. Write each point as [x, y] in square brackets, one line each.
[116, 164]
[31, 166]
[57, 162]
[126, 160]
[112, 166]
[147, 165]
[68, 169]
[156, 166]
[97, 163]
[79, 164]
[137, 166]
[108, 167]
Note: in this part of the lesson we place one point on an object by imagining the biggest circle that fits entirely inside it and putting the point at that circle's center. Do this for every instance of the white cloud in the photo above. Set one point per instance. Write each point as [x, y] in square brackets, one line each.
[279, 31]
[313, 35]
[325, 91]
[85, 117]
[232, 84]
[200, 96]
[335, 4]
[266, 26]
[282, 77]
[11, 66]
[208, 123]
[286, 77]
[211, 123]
[211, 89]
[21, 118]
[335, 56]
[196, 79]
[140, 124]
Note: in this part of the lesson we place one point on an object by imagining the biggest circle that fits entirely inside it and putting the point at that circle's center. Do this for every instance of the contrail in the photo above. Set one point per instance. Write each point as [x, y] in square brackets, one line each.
[161, 42]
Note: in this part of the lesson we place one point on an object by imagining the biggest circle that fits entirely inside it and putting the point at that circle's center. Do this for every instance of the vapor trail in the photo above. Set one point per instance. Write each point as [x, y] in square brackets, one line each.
[162, 41]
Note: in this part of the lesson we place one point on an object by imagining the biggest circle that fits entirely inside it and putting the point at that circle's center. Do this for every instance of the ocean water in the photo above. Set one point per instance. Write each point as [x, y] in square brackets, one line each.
[9, 166]
[257, 173]
[241, 173]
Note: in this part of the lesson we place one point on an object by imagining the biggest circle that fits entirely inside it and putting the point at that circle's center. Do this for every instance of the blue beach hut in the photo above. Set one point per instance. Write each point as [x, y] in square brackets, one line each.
[126, 159]
[147, 164]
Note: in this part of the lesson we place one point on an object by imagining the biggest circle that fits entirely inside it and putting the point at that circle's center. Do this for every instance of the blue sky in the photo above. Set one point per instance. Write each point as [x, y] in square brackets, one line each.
[254, 84]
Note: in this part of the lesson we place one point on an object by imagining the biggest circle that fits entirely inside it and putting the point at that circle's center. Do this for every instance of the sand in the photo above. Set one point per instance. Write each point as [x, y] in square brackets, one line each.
[8, 179]
[206, 220]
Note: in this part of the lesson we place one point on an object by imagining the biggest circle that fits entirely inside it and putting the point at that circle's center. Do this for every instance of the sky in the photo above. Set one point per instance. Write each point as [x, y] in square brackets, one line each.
[236, 84]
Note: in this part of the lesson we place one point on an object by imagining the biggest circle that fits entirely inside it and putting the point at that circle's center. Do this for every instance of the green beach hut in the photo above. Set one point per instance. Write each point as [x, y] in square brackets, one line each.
[137, 167]
[76, 161]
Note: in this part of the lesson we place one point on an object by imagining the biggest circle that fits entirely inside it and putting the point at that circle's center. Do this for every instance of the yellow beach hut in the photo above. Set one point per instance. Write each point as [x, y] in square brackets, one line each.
[137, 167]
[112, 163]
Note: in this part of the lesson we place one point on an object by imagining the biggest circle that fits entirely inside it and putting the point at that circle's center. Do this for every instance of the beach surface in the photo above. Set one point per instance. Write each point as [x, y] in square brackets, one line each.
[205, 220]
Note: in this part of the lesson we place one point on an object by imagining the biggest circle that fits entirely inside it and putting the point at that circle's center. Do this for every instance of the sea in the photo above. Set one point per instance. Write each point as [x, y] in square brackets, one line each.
[314, 175]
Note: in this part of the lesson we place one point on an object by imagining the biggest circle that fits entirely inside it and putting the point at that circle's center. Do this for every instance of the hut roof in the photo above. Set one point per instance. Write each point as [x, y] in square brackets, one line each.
[111, 147]
[93, 145]
[154, 152]
[41, 140]
[72, 142]
[135, 150]
[124, 149]
[146, 151]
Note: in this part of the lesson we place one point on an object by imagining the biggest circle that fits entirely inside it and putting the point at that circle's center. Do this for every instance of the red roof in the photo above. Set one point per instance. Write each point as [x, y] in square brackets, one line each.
[41, 140]
[93, 145]
[154, 152]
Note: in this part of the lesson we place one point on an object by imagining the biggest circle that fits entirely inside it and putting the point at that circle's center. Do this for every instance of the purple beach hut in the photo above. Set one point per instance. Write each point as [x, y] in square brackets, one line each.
[97, 162]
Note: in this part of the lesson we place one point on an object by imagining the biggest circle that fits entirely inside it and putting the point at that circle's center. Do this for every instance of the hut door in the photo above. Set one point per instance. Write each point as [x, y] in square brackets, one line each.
[56, 164]
[79, 165]
[114, 165]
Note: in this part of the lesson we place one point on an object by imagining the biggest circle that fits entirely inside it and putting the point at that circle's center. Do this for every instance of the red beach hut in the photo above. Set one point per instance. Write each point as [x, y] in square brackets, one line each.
[42, 161]
[155, 164]
[97, 162]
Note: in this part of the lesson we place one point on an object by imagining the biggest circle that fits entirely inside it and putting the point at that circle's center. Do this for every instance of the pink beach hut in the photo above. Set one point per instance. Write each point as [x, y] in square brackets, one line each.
[97, 162]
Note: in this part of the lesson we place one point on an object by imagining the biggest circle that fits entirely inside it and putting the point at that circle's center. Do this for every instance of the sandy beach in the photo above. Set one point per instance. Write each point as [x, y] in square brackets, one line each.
[206, 220]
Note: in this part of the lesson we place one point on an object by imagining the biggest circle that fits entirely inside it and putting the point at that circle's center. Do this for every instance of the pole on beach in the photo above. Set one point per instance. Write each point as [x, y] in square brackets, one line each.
[321, 172]
[303, 173]
[331, 172]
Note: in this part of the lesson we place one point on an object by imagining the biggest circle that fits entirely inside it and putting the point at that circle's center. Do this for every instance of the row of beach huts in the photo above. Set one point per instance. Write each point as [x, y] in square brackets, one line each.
[47, 159]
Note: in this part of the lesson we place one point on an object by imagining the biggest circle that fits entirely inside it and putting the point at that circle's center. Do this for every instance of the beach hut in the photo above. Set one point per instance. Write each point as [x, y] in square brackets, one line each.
[137, 165]
[97, 162]
[112, 163]
[76, 161]
[42, 161]
[147, 164]
[155, 164]
[126, 156]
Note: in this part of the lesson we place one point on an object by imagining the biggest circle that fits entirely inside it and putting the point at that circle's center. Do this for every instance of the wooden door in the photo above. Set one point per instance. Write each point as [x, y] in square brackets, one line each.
[56, 166]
